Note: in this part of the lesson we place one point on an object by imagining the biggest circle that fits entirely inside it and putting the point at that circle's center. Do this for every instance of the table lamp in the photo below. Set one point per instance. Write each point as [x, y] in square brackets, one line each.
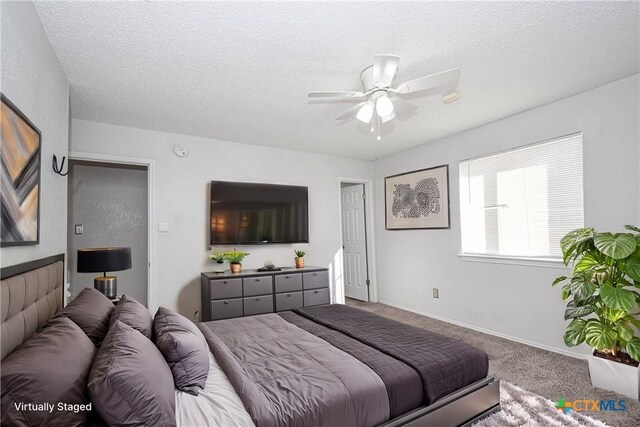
[94, 260]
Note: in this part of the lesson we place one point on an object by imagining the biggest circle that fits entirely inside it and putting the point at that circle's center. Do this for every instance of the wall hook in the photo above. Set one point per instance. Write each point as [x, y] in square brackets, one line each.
[57, 169]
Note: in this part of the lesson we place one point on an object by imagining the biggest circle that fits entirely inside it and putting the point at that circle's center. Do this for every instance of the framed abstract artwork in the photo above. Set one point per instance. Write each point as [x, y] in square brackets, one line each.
[417, 199]
[20, 156]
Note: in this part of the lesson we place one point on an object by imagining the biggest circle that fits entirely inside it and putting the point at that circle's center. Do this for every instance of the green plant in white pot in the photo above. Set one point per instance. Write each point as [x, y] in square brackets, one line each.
[603, 296]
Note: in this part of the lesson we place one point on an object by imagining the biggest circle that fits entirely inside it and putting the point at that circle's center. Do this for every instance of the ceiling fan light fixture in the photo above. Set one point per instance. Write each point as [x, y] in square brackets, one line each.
[365, 113]
[388, 117]
[384, 106]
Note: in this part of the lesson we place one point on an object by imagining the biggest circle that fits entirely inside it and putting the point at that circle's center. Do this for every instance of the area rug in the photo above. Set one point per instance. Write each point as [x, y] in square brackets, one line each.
[524, 409]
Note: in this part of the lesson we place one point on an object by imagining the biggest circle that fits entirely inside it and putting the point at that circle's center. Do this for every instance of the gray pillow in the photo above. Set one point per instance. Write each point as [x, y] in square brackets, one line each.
[130, 383]
[134, 314]
[53, 367]
[91, 311]
[184, 348]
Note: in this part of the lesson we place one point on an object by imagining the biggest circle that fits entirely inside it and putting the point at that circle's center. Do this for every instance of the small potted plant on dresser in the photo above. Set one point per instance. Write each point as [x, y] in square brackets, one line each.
[602, 294]
[218, 258]
[299, 258]
[235, 260]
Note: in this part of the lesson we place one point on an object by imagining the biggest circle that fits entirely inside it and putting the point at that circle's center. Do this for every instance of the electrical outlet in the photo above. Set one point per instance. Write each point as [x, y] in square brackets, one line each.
[79, 229]
[435, 293]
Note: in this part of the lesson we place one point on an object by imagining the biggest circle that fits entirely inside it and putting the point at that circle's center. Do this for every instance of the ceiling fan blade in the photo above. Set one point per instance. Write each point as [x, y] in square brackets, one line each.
[385, 68]
[351, 112]
[336, 94]
[403, 109]
[445, 81]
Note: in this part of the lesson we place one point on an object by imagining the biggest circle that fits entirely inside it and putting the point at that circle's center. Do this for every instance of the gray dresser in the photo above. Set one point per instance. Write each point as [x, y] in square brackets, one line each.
[251, 292]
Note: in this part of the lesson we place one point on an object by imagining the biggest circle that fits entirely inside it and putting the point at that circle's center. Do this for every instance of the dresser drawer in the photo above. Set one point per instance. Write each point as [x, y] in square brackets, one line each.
[316, 279]
[261, 285]
[225, 288]
[316, 297]
[258, 305]
[289, 282]
[224, 309]
[288, 301]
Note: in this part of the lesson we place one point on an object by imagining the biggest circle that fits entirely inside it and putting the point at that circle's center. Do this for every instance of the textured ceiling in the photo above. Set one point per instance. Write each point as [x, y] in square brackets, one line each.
[240, 71]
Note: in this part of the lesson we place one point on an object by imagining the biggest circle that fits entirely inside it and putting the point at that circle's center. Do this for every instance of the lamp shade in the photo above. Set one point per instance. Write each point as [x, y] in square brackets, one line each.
[93, 260]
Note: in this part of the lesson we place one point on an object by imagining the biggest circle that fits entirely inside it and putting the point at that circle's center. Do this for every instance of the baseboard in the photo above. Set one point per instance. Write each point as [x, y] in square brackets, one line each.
[489, 332]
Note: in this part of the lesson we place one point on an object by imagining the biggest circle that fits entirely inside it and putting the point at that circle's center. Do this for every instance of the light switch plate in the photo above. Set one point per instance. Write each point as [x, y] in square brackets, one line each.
[79, 229]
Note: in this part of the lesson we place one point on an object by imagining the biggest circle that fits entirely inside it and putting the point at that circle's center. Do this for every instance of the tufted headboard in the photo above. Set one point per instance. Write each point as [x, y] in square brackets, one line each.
[30, 295]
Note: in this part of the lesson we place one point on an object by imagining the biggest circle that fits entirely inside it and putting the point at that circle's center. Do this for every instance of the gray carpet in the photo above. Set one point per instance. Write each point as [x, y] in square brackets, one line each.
[550, 375]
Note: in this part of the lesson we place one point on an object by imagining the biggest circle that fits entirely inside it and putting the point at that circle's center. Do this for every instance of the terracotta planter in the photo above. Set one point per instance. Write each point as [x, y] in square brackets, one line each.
[614, 376]
[299, 262]
[235, 268]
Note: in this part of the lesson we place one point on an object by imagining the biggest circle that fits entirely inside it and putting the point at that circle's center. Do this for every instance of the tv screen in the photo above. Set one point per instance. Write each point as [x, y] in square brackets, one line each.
[247, 213]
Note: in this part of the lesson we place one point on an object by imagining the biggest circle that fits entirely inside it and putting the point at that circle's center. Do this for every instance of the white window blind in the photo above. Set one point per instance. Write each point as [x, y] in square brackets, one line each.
[520, 203]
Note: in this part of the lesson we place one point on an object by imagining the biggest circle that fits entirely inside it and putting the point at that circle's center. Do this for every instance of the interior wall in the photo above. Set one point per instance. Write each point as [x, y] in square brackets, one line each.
[34, 81]
[110, 202]
[512, 300]
[182, 197]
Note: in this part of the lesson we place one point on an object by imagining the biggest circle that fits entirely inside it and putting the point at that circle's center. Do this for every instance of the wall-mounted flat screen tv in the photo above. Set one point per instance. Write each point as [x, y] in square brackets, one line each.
[249, 214]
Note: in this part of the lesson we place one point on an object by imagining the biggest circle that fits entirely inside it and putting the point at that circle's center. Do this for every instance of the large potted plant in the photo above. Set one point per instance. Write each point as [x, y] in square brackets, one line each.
[603, 296]
[235, 260]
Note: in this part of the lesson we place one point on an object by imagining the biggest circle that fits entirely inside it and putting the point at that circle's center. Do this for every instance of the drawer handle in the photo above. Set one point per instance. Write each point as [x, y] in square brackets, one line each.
[316, 292]
[257, 299]
[225, 282]
[288, 295]
[226, 302]
[257, 280]
[288, 277]
[315, 274]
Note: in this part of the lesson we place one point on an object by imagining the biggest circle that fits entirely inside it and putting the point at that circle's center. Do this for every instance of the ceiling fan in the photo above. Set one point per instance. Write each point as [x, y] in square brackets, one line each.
[379, 96]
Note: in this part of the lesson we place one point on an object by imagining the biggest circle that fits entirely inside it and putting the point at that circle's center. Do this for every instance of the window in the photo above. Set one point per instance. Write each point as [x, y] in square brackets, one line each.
[520, 203]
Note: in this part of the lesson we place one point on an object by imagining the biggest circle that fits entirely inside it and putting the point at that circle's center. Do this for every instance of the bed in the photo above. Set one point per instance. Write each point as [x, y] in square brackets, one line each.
[327, 365]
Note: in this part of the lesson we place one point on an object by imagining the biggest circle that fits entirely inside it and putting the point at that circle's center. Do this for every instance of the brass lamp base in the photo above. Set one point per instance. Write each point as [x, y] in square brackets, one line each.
[108, 285]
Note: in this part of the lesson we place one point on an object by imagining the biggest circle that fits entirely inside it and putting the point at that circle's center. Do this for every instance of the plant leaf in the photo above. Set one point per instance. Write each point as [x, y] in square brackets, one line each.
[625, 332]
[566, 291]
[633, 348]
[633, 269]
[616, 315]
[569, 243]
[633, 320]
[582, 288]
[600, 336]
[575, 333]
[572, 311]
[588, 261]
[616, 246]
[616, 298]
[558, 280]
[632, 228]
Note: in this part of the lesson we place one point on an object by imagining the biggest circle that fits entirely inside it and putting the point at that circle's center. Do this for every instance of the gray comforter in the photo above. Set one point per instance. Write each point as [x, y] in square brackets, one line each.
[403, 383]
[444, 364]
[286, 376]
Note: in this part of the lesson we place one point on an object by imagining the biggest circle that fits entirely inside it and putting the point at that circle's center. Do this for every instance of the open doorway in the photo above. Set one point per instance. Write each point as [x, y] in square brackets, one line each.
[108, 207]
[356, 256]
